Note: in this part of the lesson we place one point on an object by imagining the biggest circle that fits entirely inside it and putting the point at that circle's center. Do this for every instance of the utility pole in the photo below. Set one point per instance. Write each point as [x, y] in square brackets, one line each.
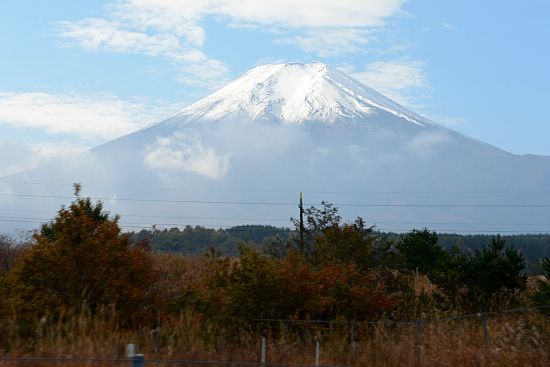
[301, 206]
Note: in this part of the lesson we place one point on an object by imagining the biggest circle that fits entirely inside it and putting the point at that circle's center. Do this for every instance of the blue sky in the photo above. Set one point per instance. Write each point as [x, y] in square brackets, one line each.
[77, 74]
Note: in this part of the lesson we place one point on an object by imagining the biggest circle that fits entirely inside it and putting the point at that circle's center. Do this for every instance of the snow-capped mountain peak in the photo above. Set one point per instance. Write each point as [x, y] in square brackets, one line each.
[294, 93]
[280, 129]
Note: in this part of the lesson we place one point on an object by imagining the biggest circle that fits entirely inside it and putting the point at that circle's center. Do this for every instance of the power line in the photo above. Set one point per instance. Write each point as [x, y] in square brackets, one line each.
[164, 188]
[153, 200]
[161, 216]
[377, 322]
[373, 221]
[239, 228]
[462, 223]
[267, 203]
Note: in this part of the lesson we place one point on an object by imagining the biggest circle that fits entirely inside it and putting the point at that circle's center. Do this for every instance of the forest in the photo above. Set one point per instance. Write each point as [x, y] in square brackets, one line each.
[82, 287]
[196, 240]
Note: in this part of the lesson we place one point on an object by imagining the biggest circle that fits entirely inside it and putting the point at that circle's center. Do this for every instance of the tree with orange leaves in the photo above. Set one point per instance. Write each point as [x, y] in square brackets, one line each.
[80, 260]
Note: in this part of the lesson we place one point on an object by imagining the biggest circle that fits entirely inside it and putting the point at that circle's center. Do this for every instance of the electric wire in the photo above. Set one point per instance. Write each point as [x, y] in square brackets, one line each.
[271, 190]
[242, 228]
[268, 203]
[371, 221]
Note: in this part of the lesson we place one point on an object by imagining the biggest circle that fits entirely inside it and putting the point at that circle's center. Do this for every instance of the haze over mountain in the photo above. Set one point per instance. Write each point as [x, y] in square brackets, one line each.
[242, 155]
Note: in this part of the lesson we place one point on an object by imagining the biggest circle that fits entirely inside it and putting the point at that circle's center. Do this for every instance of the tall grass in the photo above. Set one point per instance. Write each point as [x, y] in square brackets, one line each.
[514, 339]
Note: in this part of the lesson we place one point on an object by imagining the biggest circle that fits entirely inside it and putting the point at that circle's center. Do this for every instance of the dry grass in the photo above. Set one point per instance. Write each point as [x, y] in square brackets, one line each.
[515, 340]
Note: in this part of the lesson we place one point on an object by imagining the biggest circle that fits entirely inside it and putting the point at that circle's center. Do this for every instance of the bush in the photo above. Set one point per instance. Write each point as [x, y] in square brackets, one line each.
[263, 288]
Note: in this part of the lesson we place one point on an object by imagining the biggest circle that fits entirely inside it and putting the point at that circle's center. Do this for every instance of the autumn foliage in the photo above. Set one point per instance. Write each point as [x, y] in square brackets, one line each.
[81, 277]
[81, 261]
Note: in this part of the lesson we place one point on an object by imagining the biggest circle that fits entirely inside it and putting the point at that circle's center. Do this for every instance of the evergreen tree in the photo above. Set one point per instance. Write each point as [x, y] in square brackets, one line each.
[499, 266]
[420, 251]
[541, 297]
[495, 268]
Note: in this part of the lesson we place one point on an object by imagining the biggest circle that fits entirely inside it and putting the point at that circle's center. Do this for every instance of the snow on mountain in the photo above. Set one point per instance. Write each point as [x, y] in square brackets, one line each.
[294, 94]
[281, 129]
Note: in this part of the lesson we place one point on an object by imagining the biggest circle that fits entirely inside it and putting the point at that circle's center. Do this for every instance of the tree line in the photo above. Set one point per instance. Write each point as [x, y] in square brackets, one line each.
[196, 240]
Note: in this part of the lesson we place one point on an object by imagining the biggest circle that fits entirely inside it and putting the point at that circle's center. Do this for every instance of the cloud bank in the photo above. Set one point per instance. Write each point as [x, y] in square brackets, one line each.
[18, 157]
[180, 153]
[174, 29]
[86, 116]
[403, 81]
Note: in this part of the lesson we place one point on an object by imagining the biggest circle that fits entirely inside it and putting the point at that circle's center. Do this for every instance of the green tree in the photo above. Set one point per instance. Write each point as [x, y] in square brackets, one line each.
[541, 297]
[493, 269]
[328, 240]
[420, 250]
[315, 223]
[499, 266]
[255, 290]
[350, 243]
[276, 247]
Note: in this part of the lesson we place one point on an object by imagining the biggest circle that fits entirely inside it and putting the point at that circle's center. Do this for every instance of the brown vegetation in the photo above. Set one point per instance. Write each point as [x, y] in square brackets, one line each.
[81, 289]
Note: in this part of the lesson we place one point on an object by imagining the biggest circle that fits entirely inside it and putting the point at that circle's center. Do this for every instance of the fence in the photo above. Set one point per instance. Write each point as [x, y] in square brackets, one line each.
[351, 327]
[418, 324]
[140, 361]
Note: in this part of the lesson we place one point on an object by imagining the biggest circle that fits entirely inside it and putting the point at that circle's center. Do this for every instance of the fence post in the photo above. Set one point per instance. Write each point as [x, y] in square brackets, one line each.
[155, 340]
[287, 330]
[219, 338]
[264, 351]
[138, 360]
[485, 332]
[130, 350]
[317, 352]
[418, 336]
[352, 339]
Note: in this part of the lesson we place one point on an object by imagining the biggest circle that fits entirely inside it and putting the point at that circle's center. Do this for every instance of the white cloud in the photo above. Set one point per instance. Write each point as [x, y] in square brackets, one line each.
[403, 81]
[182, 16]
[427, 143]
[86, 116]
[449, 121]
[307, 13]
[439, 26]
[102, 34]
[181, 153]
[177, 17]
[172, 28]
[213, 75]
[127, 37]
[17, 157]
[329, 42]
[447, 26]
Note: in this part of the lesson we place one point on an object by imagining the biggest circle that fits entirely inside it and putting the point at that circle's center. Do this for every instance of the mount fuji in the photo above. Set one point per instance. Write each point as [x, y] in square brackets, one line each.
[243, 153]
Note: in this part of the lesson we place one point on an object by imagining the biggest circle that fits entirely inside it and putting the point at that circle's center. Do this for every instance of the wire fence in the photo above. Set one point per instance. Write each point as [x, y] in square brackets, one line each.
[409, 322]
[139, 361]
[350, 331]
